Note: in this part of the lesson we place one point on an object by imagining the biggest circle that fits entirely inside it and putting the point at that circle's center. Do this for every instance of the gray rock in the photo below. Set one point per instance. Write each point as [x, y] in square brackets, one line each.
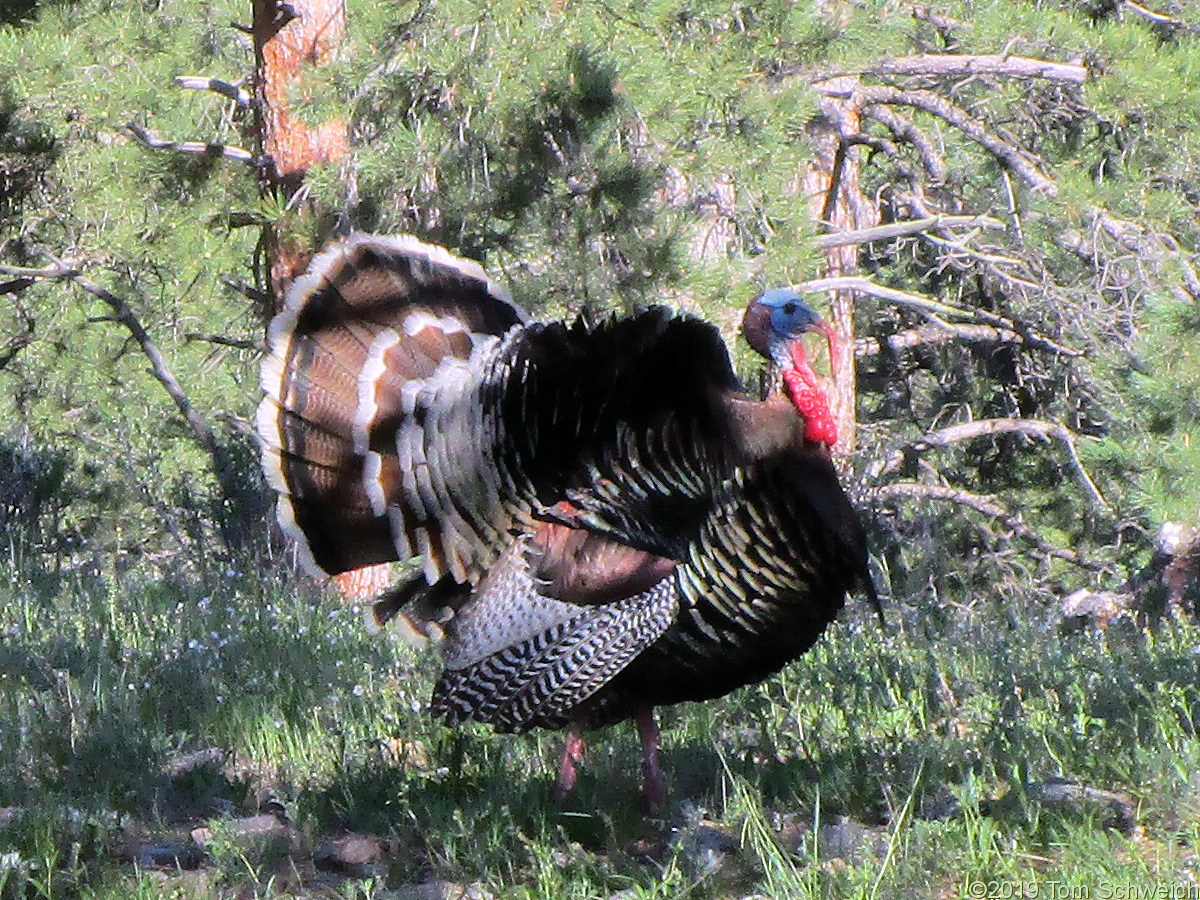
[356, 855]
[169, 855]
[439, 890]
[263, 827]
[209, 758]
[1118, 811]
[838, 838]
[703, 848]
[852, 842]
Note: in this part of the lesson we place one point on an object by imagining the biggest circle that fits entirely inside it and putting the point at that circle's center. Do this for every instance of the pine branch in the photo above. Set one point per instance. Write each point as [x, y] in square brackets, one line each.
[196, 148]
[988, 507]
[19, 341]
[1033, 428]
[221, 340]
[945, 26]
[15, 285]
[122, 313]
[1011, 157]
[1147, 244]
[935, 334]
[930, 308]
[238, 95]
[1003, 65]
[261, 298]
[906, 132]
[1162, 20]
[902, 229]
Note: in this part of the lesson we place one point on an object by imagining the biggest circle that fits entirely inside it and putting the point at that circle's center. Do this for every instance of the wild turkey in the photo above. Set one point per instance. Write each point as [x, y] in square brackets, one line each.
[606, 523]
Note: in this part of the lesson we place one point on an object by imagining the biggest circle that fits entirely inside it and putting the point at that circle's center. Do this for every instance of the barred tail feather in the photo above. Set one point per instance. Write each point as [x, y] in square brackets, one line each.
[371, 320]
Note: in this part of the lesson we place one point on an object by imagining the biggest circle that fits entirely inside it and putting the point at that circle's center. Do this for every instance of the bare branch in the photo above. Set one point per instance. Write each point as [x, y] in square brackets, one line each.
[1156, 18]
[988, 507]
[906, 132]
[902, 229]
[238, 95]
[1033, 428]
[19, 341]
[941, 64]
[933, 309]
[15, 285]
[247, 290]
[932, 335]
[32, 273]
[945, 25]
[123, 313]
[1143, 242]
[221, 340]
[1009, 156]
[196, 148]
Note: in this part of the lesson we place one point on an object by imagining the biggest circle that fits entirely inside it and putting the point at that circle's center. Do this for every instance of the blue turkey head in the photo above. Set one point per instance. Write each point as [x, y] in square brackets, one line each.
[776, 318]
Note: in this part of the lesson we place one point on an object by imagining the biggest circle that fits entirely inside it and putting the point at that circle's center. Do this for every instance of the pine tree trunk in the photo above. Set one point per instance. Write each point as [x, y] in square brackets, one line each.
[831, 184]
[289, 38]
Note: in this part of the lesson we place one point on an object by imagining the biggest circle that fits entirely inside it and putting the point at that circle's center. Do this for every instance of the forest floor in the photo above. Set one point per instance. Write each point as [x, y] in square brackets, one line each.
[247, 737]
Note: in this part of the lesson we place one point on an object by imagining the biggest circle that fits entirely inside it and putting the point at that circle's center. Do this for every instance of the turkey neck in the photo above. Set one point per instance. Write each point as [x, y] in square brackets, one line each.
[761, 429]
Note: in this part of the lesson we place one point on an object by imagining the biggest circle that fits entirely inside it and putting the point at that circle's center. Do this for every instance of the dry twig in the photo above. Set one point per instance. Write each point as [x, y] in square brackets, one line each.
[196, 148]
[122, 313]
[238, 95]
[988, 507]
[1033, 428]
[1000, 64]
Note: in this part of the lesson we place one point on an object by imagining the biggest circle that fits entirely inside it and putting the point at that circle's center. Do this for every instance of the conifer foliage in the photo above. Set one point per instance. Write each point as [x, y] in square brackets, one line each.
[999, 199]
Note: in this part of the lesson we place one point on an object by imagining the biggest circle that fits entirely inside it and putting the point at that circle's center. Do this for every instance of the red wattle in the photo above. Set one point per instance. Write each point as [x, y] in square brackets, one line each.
[812, 404]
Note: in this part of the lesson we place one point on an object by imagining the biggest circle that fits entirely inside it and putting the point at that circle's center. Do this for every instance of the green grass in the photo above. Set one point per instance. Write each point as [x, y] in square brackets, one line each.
[925, 738]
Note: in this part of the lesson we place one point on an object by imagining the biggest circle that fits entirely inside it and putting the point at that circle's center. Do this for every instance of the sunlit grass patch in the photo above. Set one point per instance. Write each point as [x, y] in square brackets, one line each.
[907, 760]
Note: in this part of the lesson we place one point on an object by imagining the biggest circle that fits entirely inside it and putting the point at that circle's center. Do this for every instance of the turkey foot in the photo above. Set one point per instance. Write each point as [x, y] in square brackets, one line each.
[654, 786]
[572, 756]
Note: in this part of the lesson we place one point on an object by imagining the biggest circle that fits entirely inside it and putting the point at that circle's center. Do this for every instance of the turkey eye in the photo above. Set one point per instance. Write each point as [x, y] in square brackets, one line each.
[789, 309]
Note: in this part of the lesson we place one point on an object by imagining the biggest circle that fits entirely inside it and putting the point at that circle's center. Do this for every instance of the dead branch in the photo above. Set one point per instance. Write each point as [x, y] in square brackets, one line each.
[988, 507]
[196, 148]
[882, 145]
[221, 340]
[123, 313]
[15, 285]
[943, 24]
[903, 229]
[950, 64]
[261, 298]
[930, 308]
[1145, 243]
[1156, 18]
[1033, 428]
[934, 335]
[19, 341]
[238, 95]
[906, 132]
[1011, 157]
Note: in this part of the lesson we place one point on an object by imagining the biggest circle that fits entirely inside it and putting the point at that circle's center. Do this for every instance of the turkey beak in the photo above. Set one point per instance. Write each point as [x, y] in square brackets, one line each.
[831, 340]
[799, 360]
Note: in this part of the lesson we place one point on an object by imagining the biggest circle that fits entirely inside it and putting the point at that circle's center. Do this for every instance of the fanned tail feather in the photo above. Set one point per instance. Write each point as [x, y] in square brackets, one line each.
[359, 333]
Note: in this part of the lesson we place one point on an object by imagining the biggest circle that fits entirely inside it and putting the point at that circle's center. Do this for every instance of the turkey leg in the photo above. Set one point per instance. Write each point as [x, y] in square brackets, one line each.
[572, 755]
[654, 786]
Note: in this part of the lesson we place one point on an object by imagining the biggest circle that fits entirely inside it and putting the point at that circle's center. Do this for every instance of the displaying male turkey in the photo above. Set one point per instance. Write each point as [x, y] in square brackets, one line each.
[606, 522]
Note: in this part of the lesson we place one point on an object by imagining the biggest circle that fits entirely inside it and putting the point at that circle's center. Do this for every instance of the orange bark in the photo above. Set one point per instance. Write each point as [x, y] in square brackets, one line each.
[831, 184]
[289, 38]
